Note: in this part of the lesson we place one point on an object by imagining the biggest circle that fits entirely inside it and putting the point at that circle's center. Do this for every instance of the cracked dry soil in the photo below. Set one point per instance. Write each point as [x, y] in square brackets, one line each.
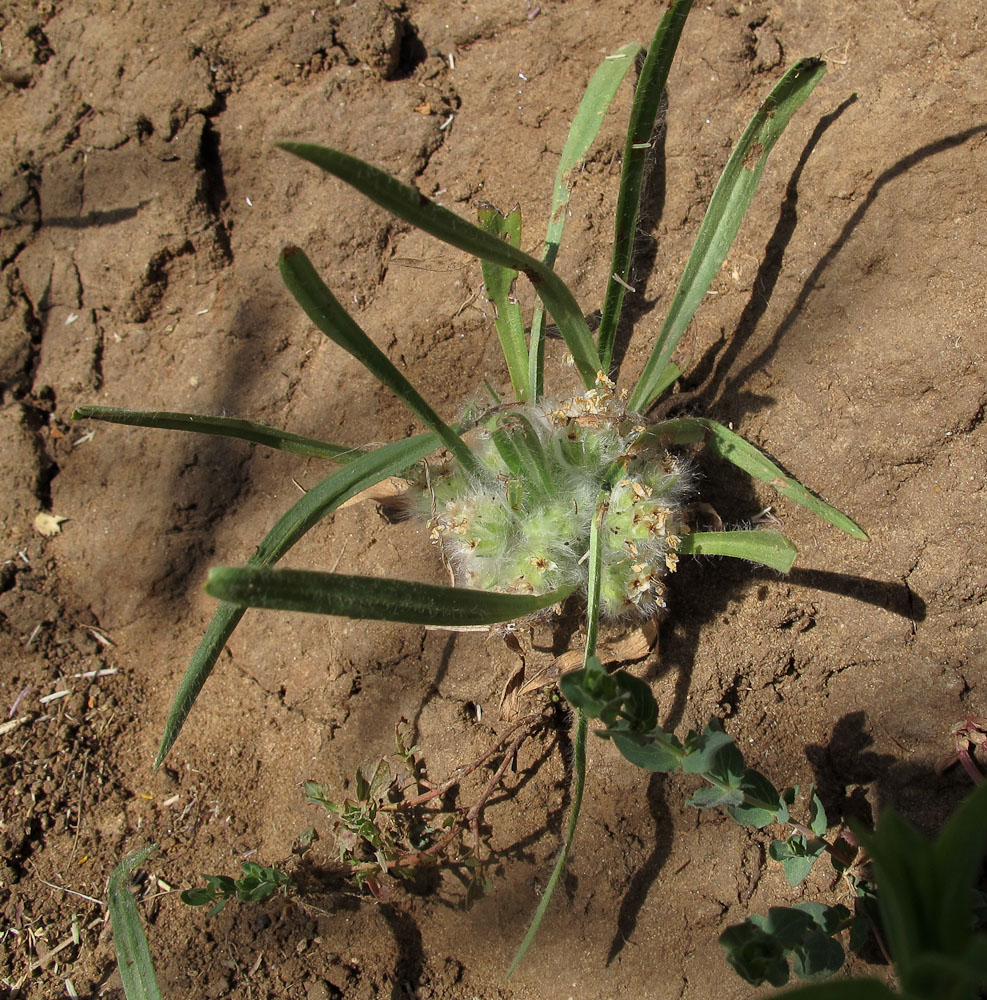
[141, 211]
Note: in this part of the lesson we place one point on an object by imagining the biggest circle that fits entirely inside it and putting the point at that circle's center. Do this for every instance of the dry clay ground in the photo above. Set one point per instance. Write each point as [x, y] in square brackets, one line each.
[142, 211]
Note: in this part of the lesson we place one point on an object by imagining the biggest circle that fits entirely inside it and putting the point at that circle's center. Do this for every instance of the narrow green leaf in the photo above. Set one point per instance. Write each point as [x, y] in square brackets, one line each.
[731, 446]
[375, 598]
[322, 499]
[637, 150]
[595, 571]
[592, 667]
[133, 955]
[582, 134]
[498, 282]
[908, 891]
[769, 548]
[818, 822]
[518, 444]
[959, 855]
[579, 785]
[727, 208]
[245, 430]
[414, 207]
[324, 310]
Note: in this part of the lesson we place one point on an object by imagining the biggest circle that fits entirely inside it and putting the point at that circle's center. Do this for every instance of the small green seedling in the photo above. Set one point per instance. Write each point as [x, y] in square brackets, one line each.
[397, 824]
[255, 884]
[550, 496]
[929, 909]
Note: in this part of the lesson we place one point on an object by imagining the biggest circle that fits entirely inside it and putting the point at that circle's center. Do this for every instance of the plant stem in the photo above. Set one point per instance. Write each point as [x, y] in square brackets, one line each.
[579, 766]
[529, 724]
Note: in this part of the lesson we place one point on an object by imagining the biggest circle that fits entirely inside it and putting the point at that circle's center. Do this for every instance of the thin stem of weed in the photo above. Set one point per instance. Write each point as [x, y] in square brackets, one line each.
[579, 784]
[530, 723]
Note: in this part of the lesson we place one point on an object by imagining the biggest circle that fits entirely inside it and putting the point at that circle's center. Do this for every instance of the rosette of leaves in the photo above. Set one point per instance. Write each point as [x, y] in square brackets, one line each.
[535, 501]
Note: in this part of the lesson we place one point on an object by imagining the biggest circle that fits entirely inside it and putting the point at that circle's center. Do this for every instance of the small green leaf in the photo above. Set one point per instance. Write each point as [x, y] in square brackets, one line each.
[797, 869]
[705, 750]
[818, 822]
[785, 924]
[595, 694]
[499, 282]
[755, 955]
[818, 957]
[709, 798]
[196, 897]
[762, 804]
[650, 756]
[829, 919]
[769, 548]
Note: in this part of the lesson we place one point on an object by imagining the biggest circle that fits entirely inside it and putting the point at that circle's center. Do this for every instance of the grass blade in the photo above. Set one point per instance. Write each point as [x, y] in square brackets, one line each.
[498, 282]
[414, 207]
[324, 310]
[727, 208]
[245, 430]
[578, 787]
[770, 548]
[582, 133]
[958, 856]
[371, 598]
[360, 474]
[595, 570]
[725, 443]
[644, 112]
[133, 955]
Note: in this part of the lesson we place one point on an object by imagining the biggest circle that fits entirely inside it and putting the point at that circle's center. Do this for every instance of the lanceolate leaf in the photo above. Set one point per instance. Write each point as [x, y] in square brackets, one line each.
[725, 443]
[582, 133]
[578, 787]
[366, 471]
[498, 282]
[324, 310]
[414, 207]
[375, 598]
[231, 427]
[133, 956]
[769, 548]
[637, 150]
[727, 208]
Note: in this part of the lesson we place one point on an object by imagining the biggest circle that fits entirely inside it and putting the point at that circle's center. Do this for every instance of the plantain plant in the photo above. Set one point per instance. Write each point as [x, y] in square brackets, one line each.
[545, 497]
